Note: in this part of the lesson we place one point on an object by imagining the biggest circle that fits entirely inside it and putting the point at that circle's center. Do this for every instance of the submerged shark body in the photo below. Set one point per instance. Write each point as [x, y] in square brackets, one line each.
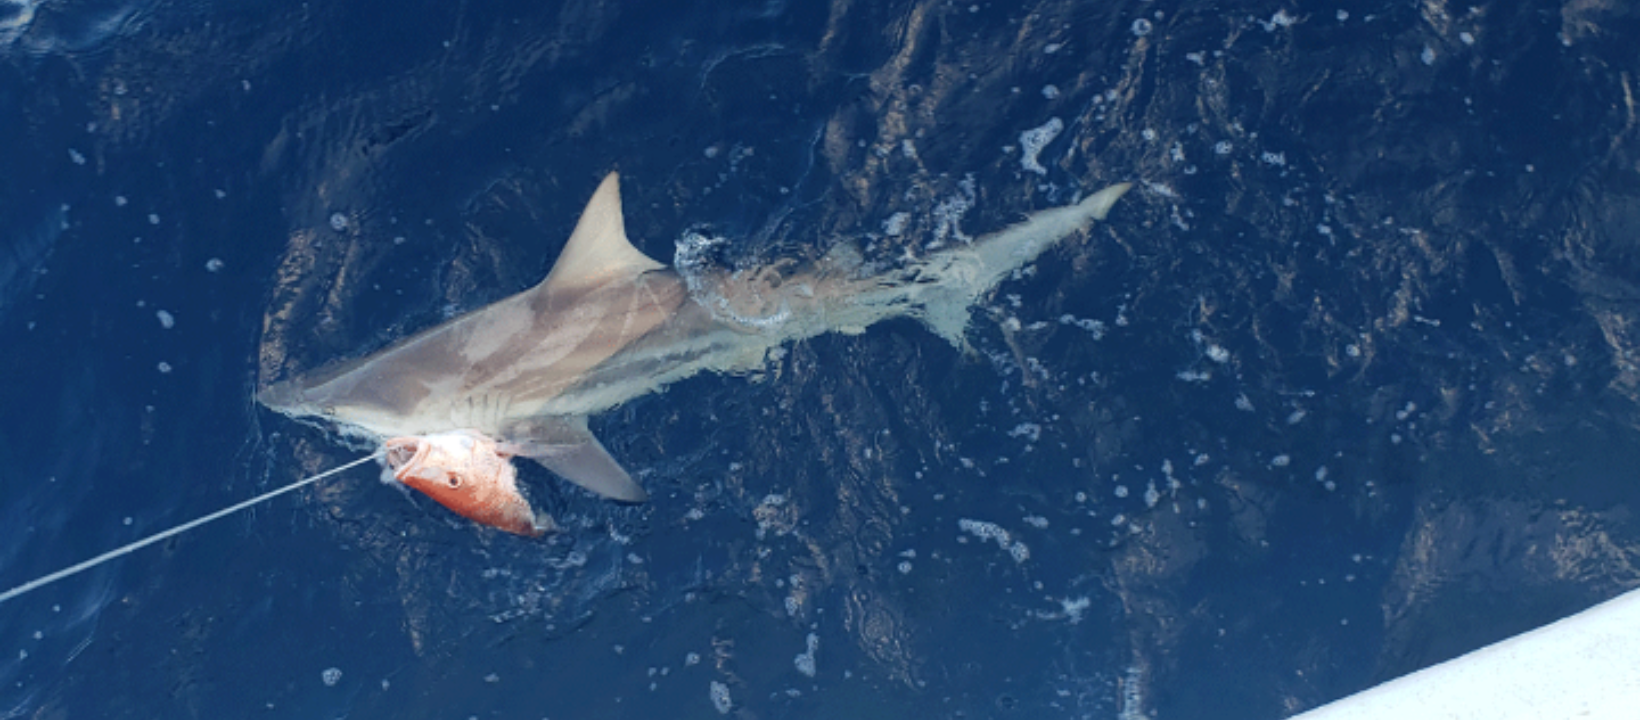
[609, 324]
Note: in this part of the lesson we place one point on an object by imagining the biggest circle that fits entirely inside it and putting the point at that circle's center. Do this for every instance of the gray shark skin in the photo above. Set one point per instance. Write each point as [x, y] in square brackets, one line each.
[609, 324]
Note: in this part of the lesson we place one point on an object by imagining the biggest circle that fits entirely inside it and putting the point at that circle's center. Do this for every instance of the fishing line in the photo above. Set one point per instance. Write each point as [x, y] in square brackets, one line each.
[191, 524]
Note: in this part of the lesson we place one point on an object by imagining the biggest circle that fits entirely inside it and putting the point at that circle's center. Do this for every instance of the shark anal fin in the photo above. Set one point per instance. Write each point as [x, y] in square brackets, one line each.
[566, 447]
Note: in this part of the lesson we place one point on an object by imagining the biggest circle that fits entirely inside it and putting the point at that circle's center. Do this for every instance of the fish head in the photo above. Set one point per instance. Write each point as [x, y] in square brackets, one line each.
[469, 474]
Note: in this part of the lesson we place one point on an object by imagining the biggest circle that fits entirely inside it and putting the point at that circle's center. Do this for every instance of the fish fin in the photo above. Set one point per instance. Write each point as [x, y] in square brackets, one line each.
[566, 447]
[952, 327]
[598, 251]
[954, 285]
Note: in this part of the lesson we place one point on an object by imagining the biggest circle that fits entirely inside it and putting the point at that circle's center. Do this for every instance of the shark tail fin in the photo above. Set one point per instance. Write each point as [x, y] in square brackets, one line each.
[952, 282]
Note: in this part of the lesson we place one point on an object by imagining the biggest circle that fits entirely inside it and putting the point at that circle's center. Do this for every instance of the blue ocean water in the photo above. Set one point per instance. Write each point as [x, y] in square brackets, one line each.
[1346, 387]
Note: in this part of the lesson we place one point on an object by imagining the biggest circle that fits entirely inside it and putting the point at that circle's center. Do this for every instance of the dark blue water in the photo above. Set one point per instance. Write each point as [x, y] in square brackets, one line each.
[1346, 387]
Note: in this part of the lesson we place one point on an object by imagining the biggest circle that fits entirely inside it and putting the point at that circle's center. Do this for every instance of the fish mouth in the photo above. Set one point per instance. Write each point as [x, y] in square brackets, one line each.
[399, 452]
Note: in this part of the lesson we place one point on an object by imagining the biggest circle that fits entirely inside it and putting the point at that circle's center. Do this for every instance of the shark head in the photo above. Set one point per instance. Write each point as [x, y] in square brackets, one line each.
[513, 371]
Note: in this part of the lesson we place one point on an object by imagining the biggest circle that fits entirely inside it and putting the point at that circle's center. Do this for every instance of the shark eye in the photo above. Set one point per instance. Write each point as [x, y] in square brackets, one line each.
[454, 481]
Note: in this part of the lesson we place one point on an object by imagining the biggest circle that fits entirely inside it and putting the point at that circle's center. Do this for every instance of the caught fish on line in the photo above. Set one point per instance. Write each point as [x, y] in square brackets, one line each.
[453, 404]
[469, 473]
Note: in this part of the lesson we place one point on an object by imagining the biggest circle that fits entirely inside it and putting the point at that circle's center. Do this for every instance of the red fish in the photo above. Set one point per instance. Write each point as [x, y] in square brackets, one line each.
[468, 473]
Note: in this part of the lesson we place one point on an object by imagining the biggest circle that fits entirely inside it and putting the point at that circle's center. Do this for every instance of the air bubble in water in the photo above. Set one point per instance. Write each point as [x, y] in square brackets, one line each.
[720, 698]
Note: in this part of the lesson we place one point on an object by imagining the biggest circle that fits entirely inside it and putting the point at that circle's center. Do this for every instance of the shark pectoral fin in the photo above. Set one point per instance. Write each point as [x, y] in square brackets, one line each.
[566, 447]
[590, 466]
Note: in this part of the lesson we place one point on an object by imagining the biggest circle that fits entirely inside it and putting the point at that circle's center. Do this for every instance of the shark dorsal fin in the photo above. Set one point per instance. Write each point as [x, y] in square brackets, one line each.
[598, 251]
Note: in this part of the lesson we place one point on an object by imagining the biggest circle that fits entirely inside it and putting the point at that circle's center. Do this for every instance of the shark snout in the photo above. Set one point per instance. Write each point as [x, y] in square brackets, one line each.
[280, 396]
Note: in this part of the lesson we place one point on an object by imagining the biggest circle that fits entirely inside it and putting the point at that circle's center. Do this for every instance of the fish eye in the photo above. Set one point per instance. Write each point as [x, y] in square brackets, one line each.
[454, 481]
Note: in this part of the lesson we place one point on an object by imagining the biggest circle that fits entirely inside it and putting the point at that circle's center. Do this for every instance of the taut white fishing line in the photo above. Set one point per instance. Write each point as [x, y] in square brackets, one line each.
[191, 524]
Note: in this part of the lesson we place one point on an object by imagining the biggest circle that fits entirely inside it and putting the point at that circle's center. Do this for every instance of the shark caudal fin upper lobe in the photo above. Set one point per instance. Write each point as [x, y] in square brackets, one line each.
[948, 284]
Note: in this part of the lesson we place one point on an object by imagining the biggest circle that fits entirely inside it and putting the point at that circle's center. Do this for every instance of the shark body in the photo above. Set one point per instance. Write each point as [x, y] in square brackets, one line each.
[609, 324]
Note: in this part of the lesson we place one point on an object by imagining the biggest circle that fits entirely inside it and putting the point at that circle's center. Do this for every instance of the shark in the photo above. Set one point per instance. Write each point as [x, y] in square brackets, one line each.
[452, 405]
